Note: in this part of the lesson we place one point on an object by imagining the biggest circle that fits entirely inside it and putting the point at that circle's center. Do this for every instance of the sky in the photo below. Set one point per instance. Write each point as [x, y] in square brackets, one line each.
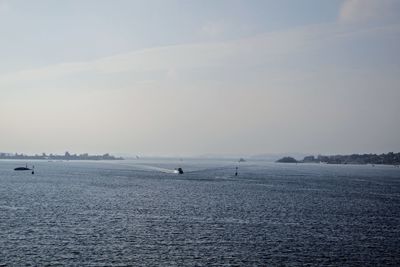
[186, 78]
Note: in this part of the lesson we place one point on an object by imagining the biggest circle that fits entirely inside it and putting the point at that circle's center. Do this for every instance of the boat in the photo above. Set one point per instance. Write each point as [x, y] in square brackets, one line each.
[22, 169]
[25, 169]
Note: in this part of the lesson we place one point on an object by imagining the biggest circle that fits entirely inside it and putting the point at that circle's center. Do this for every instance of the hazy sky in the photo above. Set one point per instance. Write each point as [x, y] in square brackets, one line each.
[193, 77]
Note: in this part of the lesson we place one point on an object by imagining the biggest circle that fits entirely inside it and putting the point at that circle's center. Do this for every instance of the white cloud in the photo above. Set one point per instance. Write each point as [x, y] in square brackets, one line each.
[203, 61]
[264, 49]
[369, 10]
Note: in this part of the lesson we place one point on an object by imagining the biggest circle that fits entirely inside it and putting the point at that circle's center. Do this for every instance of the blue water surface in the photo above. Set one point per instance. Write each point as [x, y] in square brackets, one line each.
[141, 213]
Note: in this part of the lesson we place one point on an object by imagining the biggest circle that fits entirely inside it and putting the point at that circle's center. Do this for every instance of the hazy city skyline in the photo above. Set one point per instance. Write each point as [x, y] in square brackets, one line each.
[199, 77]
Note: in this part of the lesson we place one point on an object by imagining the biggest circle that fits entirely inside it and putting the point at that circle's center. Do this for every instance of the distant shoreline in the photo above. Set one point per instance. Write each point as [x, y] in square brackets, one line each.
[66, 156]
[355, 159]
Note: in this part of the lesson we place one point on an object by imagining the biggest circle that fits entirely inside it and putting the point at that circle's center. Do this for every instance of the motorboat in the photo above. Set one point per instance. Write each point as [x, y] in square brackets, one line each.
[25, 169]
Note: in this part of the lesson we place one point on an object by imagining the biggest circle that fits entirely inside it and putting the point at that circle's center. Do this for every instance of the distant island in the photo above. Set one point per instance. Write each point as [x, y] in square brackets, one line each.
[388, 159]
[66, 156]
[287, 160]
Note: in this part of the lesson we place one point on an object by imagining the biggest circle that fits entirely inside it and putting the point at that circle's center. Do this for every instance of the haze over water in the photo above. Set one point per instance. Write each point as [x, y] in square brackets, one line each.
[187, 78]
[140, 213]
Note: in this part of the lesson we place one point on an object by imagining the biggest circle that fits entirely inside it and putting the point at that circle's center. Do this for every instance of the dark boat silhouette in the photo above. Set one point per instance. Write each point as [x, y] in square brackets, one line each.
[180, 171]
[25, 168]
[22, 169]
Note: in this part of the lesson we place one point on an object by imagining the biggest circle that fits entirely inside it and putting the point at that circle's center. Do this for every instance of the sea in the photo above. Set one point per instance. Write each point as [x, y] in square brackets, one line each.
[142, 213]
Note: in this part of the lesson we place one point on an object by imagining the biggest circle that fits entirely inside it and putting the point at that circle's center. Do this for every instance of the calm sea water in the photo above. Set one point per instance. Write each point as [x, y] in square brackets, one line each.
[140, 213]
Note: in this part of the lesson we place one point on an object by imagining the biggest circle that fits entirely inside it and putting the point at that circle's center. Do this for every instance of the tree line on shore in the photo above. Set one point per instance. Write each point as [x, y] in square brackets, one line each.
[66, 156]
[388, 159]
